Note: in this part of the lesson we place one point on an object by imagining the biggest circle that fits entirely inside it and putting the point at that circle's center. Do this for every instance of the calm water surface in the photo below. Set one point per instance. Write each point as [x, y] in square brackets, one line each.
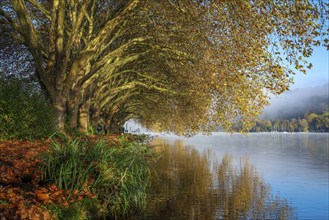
[255, 176]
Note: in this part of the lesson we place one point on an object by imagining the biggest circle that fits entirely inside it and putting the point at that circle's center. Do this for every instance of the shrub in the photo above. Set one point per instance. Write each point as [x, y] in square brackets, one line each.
[118, 175]
[24, 113]
[139, 138]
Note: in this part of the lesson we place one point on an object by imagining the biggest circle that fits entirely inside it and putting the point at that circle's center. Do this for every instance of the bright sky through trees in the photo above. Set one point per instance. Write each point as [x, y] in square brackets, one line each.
[318, 75]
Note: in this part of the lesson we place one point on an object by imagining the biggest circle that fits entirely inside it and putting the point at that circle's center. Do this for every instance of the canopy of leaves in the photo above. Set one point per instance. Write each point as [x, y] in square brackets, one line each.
[181, 66]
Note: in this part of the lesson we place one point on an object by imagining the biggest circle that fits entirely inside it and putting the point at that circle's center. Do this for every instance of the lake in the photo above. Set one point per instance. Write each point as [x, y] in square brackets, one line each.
[254, 176]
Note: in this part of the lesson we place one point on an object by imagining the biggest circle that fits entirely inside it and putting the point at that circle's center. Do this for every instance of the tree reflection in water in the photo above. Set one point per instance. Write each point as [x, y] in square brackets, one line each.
[192, 185]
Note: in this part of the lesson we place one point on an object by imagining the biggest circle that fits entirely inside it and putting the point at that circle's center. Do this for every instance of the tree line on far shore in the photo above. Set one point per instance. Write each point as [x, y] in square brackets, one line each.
[311, 122]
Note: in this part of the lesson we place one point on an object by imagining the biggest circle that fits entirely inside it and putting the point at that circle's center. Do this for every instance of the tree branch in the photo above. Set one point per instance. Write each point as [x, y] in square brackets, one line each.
[44, 11]
[32, 39]
[13, 23]
[98, 41]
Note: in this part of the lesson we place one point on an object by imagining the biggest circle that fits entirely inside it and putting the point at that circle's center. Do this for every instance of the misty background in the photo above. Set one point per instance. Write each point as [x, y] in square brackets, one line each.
[296, 103]
[293, 103]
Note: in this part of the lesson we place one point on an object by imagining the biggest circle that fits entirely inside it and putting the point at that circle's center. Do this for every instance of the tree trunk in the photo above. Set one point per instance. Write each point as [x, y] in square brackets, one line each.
[74, 114]
[73, 109]
[95, 116]
[115, 128]
[59, 107]
[84, 117]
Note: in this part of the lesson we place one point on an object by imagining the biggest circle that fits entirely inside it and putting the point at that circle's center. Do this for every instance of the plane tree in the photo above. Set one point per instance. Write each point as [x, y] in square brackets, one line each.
[181, 66]
[163, 63]
[237, 53]
[252, 49]
[79, 49]
[137, 84]
[67, 38]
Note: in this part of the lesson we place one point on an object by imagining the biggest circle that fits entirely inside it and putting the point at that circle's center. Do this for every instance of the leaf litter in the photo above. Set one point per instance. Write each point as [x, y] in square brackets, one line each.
[22, 193]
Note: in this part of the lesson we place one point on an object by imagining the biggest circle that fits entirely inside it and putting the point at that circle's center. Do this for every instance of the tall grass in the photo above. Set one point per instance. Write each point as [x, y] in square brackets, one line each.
[118, 174]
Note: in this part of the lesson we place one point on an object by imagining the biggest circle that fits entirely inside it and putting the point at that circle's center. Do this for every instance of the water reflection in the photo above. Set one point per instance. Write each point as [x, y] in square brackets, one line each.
[192, 185]
[242, 194]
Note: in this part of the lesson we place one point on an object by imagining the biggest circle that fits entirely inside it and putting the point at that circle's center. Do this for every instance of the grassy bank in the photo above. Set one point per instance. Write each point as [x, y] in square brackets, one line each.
[82, 178]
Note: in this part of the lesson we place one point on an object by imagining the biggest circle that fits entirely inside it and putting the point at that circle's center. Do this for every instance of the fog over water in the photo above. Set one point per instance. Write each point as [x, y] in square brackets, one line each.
[297, 102]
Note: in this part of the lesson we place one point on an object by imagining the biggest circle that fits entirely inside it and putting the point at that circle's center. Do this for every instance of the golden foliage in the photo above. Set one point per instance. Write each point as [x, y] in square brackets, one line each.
[182, 66]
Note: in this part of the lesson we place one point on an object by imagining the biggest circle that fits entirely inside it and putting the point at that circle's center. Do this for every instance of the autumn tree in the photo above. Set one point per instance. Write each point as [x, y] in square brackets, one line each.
[65, 38]
[87, 54]
[304, 125]
[182, 66]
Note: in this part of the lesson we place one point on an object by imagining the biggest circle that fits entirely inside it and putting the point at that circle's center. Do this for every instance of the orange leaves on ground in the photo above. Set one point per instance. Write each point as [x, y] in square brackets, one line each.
[17, 204]
[44, 197]
[19, 177]
[18, 161]
[21, 196]
[110, 139]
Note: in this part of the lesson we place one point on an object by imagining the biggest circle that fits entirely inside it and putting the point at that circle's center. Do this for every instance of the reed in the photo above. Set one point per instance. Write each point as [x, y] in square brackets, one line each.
[118, 174]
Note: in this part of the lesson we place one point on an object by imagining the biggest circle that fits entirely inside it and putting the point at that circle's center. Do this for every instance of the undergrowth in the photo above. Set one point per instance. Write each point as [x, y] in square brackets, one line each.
[117, 175]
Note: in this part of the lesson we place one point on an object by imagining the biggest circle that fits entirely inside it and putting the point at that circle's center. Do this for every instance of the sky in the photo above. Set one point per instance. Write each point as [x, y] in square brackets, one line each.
[318, 75]
[306, 88]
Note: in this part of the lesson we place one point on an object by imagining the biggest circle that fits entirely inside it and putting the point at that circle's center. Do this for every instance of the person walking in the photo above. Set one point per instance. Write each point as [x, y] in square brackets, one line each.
[106, 128]
[99, 128]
